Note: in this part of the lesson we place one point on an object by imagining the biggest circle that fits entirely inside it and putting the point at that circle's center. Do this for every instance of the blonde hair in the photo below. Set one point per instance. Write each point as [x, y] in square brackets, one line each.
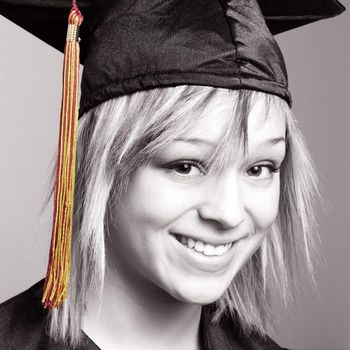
[119, 135]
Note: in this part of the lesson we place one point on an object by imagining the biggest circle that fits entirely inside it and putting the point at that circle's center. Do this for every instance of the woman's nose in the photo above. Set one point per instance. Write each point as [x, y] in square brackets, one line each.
[223, 202]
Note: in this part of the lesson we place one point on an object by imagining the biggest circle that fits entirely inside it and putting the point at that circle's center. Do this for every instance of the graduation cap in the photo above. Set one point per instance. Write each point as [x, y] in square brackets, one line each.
[132, 45]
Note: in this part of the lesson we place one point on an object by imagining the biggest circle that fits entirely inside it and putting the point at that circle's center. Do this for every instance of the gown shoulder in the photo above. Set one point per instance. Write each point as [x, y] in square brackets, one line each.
[23, 326]
[227, 334]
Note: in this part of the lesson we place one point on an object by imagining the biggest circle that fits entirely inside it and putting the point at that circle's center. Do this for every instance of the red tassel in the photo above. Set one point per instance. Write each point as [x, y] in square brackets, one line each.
[58, 271]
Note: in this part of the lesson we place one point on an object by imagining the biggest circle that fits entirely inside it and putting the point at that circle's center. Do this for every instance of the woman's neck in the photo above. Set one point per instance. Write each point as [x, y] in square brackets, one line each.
[139, 315]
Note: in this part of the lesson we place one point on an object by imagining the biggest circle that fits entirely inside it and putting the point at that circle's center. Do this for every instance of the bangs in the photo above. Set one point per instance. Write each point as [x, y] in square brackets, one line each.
[169, 113]
[239, 104]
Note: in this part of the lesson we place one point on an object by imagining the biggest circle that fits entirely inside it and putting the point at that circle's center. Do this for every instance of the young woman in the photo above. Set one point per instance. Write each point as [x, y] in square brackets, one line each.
[200, 200]
[193, 189]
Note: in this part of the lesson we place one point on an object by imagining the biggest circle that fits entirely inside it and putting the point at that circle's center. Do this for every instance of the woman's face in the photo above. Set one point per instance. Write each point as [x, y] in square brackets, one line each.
[189, 232]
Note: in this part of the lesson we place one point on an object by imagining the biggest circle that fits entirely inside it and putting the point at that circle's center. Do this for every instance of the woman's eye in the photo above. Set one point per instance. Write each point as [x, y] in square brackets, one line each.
[262, 170]
[187, 168]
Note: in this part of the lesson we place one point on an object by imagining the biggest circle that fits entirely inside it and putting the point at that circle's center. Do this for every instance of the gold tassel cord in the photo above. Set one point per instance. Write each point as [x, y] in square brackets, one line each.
[58, 271]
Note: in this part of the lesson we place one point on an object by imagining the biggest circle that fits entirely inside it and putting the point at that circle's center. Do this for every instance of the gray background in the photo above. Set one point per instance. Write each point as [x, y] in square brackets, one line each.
[318, 61]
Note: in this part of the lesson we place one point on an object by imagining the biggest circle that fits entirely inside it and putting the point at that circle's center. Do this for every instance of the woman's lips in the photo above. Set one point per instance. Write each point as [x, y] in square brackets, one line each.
[210, 260]
[203, 247]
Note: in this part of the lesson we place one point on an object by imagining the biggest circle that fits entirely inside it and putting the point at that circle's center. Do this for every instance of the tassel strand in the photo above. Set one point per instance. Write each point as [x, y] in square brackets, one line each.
[58, 271]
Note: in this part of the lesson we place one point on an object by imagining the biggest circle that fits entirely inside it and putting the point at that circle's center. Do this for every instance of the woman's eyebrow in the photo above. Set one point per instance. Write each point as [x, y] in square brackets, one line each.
[269, 142]
[199, 141]
[275, 140]
[196, 141]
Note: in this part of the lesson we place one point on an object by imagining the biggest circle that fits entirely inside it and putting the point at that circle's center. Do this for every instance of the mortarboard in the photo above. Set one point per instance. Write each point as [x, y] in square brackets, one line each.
[132, 45]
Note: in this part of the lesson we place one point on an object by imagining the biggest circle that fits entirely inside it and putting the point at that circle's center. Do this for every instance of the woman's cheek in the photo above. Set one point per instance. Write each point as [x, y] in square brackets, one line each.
[157, 199]
[262, 204]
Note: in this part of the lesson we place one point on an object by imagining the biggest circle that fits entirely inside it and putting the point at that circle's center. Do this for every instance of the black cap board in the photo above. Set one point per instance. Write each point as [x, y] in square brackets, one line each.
[128, 46]
[47, 19]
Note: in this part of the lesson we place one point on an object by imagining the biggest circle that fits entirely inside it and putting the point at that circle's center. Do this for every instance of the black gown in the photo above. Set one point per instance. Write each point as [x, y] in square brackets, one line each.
[22, 327]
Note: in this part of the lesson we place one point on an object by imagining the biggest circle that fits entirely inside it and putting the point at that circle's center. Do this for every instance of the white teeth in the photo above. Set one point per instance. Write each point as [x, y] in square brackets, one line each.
[209, 249]
[204, 248]
[190, 243]
[199, 246]
[220, 249]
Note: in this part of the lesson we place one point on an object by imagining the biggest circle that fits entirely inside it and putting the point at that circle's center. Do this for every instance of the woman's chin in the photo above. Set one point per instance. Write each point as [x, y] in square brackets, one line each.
[199, 295]
[200, 298]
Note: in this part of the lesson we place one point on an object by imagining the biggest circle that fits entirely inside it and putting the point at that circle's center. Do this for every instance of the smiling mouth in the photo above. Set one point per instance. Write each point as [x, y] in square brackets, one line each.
[202, 247]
